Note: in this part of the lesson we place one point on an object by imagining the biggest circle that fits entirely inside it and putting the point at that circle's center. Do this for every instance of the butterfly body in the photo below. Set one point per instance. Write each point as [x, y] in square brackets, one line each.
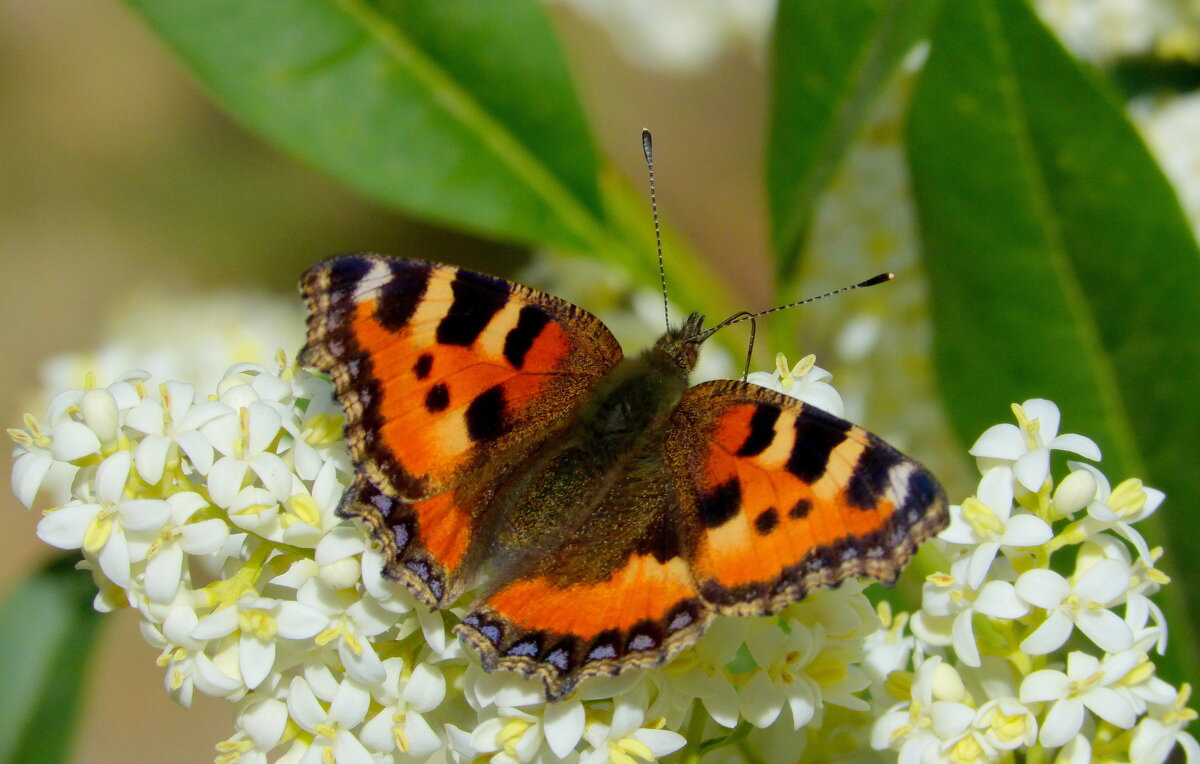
[602, 510]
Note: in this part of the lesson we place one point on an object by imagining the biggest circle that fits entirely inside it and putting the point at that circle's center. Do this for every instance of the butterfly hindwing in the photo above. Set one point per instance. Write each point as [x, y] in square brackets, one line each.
[786, 497]
[616, 594]
[447, 378]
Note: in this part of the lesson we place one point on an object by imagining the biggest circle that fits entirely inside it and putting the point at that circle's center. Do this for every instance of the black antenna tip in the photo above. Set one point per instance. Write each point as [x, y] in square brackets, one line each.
[647, 147]
[877, 280]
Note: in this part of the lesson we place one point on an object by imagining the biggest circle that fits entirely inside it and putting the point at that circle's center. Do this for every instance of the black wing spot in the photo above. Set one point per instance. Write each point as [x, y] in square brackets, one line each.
[800, 509]
[520, 338]
[345, 273]
[720, 504]
[767, 521]
[486, 414]
[423, 366]
[923, 492]
[400, 296]
[477, 299]
[437, 398]
[762, 430]
[817, 434]
[870, 478]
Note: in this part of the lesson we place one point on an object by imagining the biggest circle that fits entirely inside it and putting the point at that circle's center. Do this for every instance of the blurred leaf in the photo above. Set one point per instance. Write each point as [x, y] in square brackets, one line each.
[48, 629]
[455, 111]
[1061, 264]
[831, 60]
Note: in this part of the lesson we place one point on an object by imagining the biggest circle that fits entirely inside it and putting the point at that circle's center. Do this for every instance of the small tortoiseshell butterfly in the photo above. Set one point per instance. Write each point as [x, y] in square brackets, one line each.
[614, 508]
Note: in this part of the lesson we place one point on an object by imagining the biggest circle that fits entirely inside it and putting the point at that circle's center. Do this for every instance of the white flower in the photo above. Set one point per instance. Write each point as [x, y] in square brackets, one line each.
[258, 620]
[936, 724]
[805, 381]
[1087, 684]
[1026, 448]
[405, 697]
[802, 669]
[1083, 604]
[700, 674]
[988, 523]
[186, 663]
[1157, 734]
[1117, 508]
[243, 434]
[101, 527]
[165, 558]
[625, 737]
[516, 736]
[1006, 724]
[333, 727]
[946, 596]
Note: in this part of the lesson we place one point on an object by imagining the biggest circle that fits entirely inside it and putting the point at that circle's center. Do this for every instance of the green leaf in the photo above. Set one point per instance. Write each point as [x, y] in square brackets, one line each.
[831, 60]
[1061, 264]
[48, 629]
[455, 111]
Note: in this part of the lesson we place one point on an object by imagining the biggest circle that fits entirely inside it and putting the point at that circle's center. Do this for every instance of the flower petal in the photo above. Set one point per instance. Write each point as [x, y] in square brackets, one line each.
[163, 573]
[144, 514]
[1001, 441]
[1107, 629]
[563, 726]
[999, 599]
[1050, 636]
[303, 706]
[1076, 444]
[256, 658]
[1062, 722]
[349, 705]
[1026, 530]
[1103, 582]
[1042, 588]
[1110, 706]
[66, 526]
[29, 471]
[111, 477]
[1032, 468]
[761, 703]
[150, 457]
[72, 440]
[1045, 685]
[1047, 414]
[298, 621]
[660, 742]
[964, 639]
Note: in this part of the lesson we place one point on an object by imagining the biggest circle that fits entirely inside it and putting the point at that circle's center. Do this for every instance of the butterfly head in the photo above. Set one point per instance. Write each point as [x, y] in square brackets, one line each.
[682, 344]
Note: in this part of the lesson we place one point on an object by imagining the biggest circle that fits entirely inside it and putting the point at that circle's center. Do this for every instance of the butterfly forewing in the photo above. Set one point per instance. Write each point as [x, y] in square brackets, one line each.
[783, 497]
[446, 377]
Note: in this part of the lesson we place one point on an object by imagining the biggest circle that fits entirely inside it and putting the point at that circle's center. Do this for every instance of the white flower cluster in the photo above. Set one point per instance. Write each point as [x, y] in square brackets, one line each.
[994, 670]
[213, 517]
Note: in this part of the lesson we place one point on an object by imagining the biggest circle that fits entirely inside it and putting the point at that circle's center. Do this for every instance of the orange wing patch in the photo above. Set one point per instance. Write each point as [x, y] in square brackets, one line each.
[785, 497]
[639, 616]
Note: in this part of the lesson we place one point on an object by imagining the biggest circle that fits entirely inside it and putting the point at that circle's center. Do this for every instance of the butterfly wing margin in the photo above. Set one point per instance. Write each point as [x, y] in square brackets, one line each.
[781, 497]
[446, 378]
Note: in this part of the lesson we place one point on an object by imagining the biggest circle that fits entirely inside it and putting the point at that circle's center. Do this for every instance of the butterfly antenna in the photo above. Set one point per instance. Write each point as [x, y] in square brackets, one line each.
[737, 318]
[648, 150]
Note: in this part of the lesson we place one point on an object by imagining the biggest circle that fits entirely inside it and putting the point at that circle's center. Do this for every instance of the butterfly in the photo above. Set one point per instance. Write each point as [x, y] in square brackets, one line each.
[603, 509]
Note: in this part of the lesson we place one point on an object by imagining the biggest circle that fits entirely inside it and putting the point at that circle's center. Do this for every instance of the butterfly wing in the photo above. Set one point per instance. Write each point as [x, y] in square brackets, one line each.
[447, 377]
[616, 595]
[782, 497]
